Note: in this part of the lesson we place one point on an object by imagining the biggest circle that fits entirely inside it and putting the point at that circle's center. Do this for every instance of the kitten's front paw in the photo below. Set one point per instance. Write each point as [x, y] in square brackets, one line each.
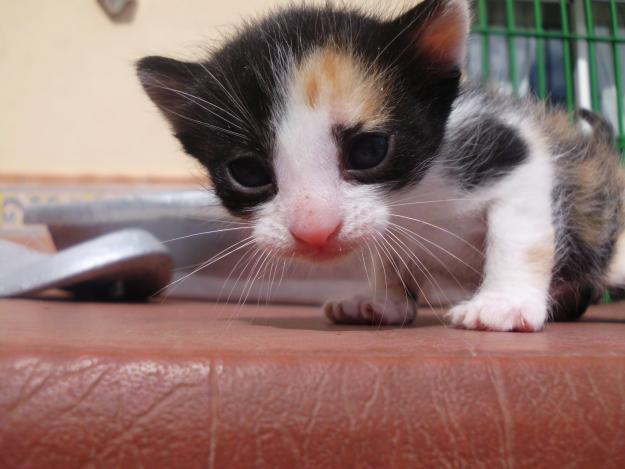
[375, 311]
[500, 312]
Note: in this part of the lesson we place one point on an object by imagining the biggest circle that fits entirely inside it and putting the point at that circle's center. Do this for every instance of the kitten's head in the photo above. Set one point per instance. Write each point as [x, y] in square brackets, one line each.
[308, 121]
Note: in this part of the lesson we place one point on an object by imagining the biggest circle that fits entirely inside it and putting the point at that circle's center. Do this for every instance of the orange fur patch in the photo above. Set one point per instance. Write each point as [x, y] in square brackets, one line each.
[329, 62]
[541, 258]
[591, 177]
[312, 91]
[340, 82]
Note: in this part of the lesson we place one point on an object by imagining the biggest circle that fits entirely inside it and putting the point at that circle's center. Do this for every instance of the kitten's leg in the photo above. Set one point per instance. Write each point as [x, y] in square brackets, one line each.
[514, 295]
[388, 303]
[616, 269]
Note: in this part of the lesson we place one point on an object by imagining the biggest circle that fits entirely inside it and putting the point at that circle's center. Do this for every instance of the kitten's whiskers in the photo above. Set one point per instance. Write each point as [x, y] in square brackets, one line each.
[412, 236]
[236, 101]
[450, 233]
[206, 233]
[419, 264]
[217, 257]
[205, 124]
[424, 202]
[197, 101]
[398, 273]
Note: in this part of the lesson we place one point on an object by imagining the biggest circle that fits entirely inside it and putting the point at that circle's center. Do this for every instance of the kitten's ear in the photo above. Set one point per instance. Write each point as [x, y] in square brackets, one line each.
[438, 29]
[169, 83]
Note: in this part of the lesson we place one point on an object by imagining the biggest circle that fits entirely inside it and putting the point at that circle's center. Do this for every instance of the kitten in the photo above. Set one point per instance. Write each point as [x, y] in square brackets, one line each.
[334, 131]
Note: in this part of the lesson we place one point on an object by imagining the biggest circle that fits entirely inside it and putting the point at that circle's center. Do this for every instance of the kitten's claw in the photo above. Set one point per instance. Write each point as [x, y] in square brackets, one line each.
[374, 311]
[500, 312]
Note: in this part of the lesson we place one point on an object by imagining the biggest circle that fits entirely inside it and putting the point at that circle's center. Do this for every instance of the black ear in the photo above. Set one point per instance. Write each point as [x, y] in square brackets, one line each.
[171, 85]
[438, 29]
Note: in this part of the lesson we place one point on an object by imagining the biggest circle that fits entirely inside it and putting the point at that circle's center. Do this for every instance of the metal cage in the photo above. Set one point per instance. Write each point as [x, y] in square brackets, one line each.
[569, 52]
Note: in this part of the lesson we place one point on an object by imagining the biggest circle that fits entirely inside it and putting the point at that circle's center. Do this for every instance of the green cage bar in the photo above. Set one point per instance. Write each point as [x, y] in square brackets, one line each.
[519, 32]
[511, 25]
[485, 38]
[592, 57]
[616, 61]
[568, 65]
[540, 50]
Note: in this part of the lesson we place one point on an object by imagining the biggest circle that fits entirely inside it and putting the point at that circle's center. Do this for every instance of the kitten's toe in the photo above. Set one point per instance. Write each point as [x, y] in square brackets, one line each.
[500, 312]
[375, 311]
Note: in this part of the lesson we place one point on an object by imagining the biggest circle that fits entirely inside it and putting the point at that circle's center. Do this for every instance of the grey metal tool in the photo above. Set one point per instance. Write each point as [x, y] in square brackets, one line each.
[126, 264]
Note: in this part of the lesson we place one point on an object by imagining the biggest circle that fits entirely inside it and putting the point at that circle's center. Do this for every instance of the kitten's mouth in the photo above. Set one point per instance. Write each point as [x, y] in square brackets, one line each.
[324, 253]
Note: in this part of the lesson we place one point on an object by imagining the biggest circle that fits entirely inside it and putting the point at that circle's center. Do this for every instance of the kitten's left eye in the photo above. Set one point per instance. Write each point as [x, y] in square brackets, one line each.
[367, 151]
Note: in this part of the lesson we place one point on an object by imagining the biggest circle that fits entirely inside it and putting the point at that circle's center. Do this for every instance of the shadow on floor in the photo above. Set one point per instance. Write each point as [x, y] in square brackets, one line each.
[320, 323]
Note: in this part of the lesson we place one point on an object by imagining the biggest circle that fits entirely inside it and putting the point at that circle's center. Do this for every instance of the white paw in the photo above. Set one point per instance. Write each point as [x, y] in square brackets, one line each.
[500, 312]
[375, 311]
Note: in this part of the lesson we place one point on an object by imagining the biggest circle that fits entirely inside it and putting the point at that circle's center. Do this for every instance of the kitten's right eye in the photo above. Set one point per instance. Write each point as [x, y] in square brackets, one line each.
[250, 172]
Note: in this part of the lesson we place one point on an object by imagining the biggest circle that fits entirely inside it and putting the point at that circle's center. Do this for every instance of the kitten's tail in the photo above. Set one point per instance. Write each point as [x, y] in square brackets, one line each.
[594, 124]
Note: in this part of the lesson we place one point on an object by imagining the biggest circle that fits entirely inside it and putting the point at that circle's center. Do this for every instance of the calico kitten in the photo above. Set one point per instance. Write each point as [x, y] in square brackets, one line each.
[335, 131]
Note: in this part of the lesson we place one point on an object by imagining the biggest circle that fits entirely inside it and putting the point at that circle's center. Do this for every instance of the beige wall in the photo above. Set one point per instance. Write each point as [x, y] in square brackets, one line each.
[69, 101]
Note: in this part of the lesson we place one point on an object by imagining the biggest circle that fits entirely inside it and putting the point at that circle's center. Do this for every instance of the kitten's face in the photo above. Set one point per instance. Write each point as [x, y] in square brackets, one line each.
[310, 120]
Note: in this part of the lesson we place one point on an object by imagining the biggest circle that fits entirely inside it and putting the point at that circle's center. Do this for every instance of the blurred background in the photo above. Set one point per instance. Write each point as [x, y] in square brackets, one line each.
[70, 104]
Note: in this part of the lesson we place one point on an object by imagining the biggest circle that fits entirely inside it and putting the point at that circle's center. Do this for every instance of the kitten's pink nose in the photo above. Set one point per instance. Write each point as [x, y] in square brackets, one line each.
[317, 237]
[315, 224]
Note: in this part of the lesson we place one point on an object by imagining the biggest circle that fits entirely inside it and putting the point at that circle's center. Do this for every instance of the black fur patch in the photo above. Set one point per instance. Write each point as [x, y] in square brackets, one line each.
[570, 301]
[581, 264]
[223, 107]
[479, 153]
